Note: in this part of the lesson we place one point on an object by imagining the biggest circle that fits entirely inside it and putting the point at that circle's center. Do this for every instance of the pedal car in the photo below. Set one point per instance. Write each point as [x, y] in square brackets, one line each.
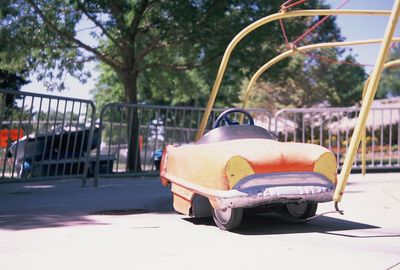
[234, 166]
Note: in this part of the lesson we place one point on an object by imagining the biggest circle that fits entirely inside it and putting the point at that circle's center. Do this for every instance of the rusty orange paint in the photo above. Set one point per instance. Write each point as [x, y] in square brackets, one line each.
[204, 164]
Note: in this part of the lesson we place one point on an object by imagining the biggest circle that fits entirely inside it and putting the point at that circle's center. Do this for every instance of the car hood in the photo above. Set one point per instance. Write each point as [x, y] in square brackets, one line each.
[211, 165]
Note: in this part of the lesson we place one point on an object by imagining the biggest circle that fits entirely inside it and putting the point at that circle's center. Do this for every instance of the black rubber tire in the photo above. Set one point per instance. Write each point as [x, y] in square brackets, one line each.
[228, 219]
[300, 212]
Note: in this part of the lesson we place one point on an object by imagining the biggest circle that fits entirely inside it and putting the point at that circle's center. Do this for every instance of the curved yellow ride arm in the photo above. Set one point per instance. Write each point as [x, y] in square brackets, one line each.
[366, 105]
[291, 52]
[391, 64]
[255, 25]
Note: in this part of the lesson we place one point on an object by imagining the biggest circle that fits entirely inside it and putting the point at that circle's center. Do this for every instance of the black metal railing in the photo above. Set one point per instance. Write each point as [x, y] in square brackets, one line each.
[49, 137]
[156, 126]
[44, 136]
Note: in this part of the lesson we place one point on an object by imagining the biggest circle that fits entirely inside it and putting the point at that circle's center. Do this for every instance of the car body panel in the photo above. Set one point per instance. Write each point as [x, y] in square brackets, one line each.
[205, 164]
[207, 169]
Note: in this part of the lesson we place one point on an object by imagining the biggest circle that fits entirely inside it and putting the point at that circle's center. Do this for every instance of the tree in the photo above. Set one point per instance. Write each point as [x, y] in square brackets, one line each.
[311, 81]
[146, 44]
[347, 81]
[9, 81]
[389, 85]
[339, 87]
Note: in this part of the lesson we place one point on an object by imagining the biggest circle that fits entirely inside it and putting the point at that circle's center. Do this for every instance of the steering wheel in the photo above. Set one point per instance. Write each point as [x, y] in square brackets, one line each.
[225, 117]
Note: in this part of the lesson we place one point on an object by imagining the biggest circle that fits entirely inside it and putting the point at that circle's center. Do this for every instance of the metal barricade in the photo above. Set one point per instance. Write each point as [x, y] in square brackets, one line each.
[44, 136]
[333, 127]
[157, 127]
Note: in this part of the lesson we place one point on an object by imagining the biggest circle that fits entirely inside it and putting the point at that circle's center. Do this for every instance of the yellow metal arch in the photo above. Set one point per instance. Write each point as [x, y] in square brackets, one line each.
[257, 24]
[264, 68]
[291, 52]
[391, 64]
[367, 103]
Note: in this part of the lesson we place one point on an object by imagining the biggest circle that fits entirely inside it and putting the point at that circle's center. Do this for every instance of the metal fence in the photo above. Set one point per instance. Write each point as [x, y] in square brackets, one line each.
[158, 126]
[48, 137]
[333, 127]
[44, 136]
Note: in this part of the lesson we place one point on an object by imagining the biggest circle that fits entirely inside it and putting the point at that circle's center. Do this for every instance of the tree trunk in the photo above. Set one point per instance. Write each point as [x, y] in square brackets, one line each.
[133, 162]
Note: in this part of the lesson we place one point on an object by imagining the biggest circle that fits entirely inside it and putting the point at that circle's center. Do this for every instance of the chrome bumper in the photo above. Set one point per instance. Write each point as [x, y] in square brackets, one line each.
[260, 189]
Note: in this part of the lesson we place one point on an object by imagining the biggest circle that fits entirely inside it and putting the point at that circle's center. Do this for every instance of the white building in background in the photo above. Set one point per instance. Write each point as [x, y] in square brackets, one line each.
[384, 112]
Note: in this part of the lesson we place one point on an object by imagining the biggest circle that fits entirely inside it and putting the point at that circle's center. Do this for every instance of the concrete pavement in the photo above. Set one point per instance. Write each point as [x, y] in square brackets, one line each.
[130, 224]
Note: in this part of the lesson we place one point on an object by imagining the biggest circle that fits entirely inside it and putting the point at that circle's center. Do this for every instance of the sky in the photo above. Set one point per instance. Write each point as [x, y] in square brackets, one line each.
[364, 27]
[74, 88]
[352, 28]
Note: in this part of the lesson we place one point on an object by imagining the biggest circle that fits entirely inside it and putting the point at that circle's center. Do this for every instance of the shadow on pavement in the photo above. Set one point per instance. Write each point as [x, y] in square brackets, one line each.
[160, 206]
[25, 206]
[270, 224]
[273, 224]
[63, 218]
[36, 221]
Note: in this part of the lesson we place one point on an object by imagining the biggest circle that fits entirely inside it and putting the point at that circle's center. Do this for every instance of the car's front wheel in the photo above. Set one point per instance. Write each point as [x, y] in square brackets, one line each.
[227, 219]
[300, 212]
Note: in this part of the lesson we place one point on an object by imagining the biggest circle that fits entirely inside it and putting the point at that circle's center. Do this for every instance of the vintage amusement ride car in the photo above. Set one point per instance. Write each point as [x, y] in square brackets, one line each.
[243, 166]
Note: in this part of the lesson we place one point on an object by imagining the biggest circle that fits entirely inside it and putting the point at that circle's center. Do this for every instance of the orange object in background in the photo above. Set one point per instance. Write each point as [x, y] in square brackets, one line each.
[140, 143]
[9, 135]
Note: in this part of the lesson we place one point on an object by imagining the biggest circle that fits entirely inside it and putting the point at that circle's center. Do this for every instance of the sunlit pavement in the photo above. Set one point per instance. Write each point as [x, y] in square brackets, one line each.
[130, 224]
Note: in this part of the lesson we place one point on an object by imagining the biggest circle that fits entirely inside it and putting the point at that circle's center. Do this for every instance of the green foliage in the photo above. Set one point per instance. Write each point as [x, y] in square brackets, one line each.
[168, 52]
[29, 43]
[11, 81]
[302, 82]
[108, 88]
[347, 81]
[163, 52]
[389, 85]
[312, 81]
